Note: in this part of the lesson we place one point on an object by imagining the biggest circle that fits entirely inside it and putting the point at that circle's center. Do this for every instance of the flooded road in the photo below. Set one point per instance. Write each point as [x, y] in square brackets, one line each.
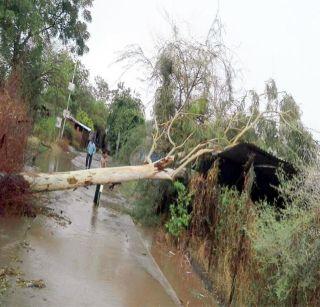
[86, 255]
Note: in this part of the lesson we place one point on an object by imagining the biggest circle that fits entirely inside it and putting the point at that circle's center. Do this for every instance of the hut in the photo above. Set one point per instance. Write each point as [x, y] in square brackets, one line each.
[233, 166]
[81, 129]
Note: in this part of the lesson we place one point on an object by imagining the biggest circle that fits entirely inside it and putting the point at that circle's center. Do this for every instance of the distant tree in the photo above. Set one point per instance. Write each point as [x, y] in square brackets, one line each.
[101, 89]
[84, 118]
[125, 113]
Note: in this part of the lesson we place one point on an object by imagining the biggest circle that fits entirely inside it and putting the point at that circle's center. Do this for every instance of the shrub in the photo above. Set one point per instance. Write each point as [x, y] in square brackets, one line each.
[179, 216]
[73, 136]
[153, 194]
[45, 129]
[256, 254]
[287, 246]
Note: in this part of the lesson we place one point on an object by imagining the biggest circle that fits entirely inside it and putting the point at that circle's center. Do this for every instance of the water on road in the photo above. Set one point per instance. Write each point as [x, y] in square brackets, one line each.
[86, 255]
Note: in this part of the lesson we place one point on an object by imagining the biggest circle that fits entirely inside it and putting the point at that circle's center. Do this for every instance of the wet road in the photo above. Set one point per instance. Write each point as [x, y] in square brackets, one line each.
[100, 259]
[97, 260]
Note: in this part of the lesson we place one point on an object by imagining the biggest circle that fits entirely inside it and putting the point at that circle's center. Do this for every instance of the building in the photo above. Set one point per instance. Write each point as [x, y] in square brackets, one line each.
[83, 131]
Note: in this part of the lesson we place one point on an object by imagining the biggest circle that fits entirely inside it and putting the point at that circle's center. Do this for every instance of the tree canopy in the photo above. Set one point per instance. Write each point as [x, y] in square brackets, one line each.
[28, 25]
[125, 113]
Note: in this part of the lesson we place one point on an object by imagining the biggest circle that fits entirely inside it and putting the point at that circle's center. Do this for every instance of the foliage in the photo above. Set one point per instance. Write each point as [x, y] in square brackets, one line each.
[27, 25]
[125, 113]
[29, 31]
[133, 150]
[45, 129]
[179, 216]
[267, 256]
[101, 90]
[145, 205]
[152, 196]
[73, 136]
[58, 67]
[287, 249]
[288, 253]
[83, 117]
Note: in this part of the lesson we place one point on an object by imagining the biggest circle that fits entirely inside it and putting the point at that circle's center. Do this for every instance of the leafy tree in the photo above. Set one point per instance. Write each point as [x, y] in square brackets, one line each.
[101, 90]
[125, 113]
[29, 29]
[57, 71]
[28, 25]
[83, 117]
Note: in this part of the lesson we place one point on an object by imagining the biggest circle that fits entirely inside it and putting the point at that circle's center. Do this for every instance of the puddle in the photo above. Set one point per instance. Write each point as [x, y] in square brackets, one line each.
[55, 160]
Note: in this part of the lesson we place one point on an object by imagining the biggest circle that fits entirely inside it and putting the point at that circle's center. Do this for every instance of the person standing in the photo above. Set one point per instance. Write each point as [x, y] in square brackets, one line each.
[103, 163]
[91, 149]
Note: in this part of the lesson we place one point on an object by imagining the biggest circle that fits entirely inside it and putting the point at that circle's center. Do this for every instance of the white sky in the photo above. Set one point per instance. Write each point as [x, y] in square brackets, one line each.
[277, 39]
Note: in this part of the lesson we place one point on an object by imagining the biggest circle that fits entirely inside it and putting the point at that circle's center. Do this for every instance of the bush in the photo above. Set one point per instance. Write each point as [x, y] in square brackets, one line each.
[287, 248]
[153, 194]
[256, 254]
[180, 217]
[45, 129]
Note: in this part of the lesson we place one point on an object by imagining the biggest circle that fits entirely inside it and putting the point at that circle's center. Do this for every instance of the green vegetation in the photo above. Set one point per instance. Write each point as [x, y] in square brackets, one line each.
[45, 129]
[34, 39]
[179, 216]
[83, 117]
[152, 199]
[256, 254]
[125, 115]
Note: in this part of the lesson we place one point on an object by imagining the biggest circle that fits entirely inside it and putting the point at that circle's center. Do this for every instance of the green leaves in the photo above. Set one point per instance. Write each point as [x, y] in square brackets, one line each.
[26, 24]
[84, 118]
[180, 218]
[125, 113]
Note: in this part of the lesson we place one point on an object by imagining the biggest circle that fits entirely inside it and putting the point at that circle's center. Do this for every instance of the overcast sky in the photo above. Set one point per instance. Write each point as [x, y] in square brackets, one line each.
[277, 39]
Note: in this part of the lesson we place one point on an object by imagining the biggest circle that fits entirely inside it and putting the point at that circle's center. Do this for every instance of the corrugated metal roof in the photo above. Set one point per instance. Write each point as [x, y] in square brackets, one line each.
[79, 123]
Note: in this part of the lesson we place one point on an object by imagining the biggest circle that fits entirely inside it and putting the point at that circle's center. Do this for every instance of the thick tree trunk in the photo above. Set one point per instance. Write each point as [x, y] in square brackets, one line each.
[40, 182]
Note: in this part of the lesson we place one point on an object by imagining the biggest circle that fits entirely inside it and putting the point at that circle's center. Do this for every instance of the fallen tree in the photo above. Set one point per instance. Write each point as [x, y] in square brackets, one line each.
[195, 113]
[40, 182]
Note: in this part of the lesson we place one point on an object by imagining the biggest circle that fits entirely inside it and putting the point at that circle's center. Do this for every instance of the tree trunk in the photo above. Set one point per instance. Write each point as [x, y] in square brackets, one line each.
[40, 182]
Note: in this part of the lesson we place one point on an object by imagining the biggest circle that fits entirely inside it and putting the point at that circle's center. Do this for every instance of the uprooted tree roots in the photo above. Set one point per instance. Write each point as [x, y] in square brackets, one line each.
[15, 196]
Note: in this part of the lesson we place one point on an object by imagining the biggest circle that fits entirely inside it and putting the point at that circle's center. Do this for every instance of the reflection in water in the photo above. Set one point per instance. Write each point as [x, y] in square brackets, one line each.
[55, 160]
[94, 217]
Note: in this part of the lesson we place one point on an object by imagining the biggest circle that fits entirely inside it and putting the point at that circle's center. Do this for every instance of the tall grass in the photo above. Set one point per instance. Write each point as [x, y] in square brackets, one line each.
[256, 254]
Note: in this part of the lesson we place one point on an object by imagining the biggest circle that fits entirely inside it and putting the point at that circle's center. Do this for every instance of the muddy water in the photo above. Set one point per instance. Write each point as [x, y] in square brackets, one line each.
[55, 160]
[179, 272]
[99, 259]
